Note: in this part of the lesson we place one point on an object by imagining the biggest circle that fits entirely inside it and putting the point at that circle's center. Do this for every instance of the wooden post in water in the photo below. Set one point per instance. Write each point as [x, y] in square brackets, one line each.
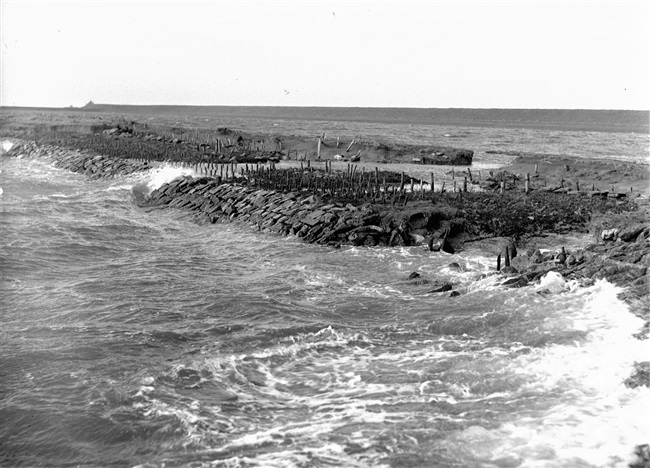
[432, 184]
[350, 146]
[499, 262]
[527, 185]
[464, 184]
[507, 259]
[318, 150]
[503, 186]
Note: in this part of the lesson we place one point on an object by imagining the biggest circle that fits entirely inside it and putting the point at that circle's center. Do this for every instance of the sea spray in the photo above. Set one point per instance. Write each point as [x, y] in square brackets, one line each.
[5, 146]
[597, 420]
[166, 173]
[146, 182]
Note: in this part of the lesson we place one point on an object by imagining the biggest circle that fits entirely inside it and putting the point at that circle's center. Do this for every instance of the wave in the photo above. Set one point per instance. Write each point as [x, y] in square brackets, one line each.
[147, 182]
[504, 404]
[5, 146]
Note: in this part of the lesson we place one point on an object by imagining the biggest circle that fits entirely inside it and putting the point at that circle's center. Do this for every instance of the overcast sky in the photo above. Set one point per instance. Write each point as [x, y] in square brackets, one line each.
[516, 54]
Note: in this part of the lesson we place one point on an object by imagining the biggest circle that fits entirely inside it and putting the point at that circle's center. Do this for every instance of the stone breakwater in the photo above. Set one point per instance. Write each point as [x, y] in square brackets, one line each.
[299, 214]
[302, 214]
[93, 165]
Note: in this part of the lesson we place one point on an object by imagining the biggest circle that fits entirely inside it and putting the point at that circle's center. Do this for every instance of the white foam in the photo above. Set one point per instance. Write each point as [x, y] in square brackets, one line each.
[6, 145]
[553, 282]
[598, 420]
[166, 173]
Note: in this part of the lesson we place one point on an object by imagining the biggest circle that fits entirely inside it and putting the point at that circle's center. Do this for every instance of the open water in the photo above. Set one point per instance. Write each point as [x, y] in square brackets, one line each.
[139, 337]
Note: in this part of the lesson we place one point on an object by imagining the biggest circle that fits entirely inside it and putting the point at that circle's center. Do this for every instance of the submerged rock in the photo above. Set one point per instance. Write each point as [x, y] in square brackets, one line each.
[640, 377]
[441, 287]
[640, 457]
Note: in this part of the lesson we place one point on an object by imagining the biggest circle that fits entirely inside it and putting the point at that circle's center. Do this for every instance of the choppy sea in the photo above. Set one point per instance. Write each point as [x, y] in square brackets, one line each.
[139, 337]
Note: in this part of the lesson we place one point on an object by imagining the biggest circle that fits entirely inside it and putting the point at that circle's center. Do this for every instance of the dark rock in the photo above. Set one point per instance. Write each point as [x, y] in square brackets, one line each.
[454, 294]
[630, 233]
[398, 237]
[414, 275]
[451, 156]
[516, 282]
[640, 457]
[441, 287]
[645, 234]
[437, 245]
[641, 375]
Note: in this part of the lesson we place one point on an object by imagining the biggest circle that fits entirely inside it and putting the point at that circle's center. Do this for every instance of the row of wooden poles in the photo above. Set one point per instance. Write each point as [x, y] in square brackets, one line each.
[150, 150]
[353, 183]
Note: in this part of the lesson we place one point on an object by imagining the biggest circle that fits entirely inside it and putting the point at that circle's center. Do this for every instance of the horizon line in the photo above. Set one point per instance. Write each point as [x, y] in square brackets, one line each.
[89, 106]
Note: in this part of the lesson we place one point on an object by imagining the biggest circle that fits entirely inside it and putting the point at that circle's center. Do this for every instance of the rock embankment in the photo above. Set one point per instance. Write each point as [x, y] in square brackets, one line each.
[620, 254]
[93, 165]
[301, 214]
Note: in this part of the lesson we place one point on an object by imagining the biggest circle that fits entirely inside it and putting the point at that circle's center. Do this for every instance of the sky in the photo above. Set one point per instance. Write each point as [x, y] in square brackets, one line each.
[431, 54]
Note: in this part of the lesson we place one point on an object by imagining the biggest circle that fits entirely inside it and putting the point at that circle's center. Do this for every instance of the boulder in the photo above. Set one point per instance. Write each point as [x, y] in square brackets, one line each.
[516, 282]
[641, 375]
[640, 458]
[416, 279]
[437, 245]
[440, 287]
[451, 156]
[630, 233]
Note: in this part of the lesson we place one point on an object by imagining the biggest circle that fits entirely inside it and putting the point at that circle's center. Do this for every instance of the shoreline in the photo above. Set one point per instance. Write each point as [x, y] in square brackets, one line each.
[620, 229]
[359, 209]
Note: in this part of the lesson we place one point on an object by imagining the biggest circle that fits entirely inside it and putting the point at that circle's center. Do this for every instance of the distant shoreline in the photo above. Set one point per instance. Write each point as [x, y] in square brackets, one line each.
[608, 121]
